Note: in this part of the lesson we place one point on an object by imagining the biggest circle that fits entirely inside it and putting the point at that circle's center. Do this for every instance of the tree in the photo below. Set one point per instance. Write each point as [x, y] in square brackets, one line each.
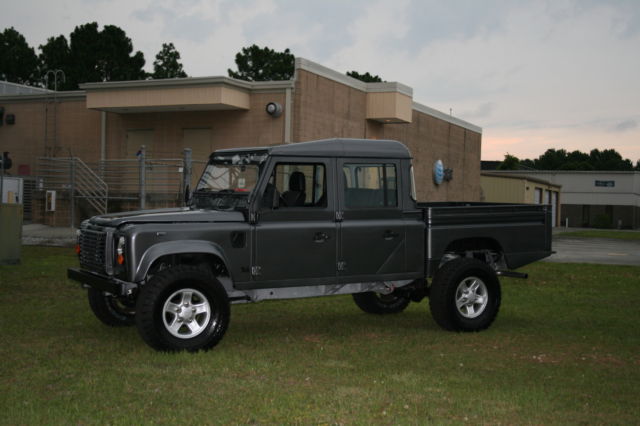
[18, 60]
[166, 64]
[551, 159]
[56, 55]
[609, 159]
[366, 77]
[606, 160]
[510, 162]
[263, 64]
[118, 62]
[92, 55]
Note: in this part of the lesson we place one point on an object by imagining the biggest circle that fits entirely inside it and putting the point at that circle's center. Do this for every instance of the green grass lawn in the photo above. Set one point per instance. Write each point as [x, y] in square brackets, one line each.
[594, 233]
[564, 349]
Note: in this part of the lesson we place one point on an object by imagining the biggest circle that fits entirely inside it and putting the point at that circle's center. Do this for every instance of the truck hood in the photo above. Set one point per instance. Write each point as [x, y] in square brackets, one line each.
[171, 215]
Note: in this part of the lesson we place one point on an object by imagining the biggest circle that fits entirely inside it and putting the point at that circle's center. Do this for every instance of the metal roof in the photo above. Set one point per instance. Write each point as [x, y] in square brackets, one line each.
[356, 148]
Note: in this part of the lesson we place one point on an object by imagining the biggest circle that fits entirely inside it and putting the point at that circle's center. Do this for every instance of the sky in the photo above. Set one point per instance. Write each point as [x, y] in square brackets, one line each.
[533, 74]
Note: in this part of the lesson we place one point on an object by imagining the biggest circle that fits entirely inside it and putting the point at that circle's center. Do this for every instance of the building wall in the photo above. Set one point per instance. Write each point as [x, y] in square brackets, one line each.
[228, 128]
[430, 139]
[77, 130]
[324, 108]
[589, 215]
[503, 190]
[518, 189]
[583, 202]
[580, 187]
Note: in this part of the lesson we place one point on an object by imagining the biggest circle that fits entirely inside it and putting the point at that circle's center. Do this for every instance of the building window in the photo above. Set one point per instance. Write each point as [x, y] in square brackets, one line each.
[606, 183]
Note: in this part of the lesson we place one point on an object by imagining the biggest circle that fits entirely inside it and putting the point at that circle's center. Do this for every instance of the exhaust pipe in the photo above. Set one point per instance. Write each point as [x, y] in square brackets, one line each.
[512, 274]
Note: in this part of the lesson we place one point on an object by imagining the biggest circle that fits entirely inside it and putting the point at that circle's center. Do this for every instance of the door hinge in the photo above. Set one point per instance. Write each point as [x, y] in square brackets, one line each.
[339, 216]
[342, 265]
[256, 270]
[253, 218]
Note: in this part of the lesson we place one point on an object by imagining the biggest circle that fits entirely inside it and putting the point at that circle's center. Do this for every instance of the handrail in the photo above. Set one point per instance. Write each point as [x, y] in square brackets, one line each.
[113, 179]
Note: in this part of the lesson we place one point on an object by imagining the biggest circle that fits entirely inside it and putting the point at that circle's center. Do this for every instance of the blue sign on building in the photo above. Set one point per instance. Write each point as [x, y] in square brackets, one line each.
[438, 172]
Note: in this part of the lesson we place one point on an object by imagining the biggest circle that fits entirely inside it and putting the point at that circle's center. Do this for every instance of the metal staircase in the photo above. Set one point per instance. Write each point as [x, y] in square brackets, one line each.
[72, 175]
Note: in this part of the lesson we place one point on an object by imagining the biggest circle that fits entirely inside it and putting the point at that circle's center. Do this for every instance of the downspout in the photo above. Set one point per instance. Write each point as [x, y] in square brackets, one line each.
[103, 135]
[288, 111]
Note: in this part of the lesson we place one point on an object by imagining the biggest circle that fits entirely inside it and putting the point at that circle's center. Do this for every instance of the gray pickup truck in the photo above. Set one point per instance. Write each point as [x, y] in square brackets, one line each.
[320, 218]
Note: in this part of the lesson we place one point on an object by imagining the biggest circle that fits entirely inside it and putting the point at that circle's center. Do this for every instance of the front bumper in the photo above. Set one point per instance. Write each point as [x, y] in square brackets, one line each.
[101, 282]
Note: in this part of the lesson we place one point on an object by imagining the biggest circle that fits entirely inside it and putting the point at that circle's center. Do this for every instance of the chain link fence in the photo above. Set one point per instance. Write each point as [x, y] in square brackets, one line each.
[81, 190]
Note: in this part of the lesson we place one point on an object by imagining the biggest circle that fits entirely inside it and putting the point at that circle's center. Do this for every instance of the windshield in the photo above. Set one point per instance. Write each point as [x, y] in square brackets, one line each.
[228, 177]
[228, 180]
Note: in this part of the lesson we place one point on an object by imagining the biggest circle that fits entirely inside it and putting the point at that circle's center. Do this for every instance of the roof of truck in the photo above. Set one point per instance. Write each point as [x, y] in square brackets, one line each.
[367, 148]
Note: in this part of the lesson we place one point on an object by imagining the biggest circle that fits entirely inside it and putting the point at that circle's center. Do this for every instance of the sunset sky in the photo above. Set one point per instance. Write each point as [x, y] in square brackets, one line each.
[534, 75]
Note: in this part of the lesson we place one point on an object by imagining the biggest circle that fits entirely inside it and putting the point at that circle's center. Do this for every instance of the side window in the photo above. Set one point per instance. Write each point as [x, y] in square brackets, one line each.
[370, 185]
[300, 184]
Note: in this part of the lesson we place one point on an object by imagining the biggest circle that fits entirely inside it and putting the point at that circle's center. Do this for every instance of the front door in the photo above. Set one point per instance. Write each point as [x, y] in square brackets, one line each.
[295, 234]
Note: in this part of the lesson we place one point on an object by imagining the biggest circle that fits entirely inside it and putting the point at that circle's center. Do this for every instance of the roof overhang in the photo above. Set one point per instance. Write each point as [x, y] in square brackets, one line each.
[389, 107]
[184, 94]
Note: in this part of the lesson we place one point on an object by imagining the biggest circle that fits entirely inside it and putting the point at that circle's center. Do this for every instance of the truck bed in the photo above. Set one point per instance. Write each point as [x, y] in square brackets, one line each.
[522, 232]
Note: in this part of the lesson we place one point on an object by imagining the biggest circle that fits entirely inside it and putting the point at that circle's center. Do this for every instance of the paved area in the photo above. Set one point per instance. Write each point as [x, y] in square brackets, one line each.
[595, 250]
[43, 235]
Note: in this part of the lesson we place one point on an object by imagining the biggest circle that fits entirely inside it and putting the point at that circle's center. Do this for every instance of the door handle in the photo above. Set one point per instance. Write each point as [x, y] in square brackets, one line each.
[320, 237]
[390, 235]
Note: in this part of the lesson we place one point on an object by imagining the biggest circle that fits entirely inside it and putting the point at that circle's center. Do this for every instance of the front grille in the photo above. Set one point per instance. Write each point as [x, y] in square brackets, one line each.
[93, 250]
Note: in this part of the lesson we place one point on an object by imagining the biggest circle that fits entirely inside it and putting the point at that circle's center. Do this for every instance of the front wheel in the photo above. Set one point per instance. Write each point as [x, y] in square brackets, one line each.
[465, 295]
[183, 308]
[376, 303]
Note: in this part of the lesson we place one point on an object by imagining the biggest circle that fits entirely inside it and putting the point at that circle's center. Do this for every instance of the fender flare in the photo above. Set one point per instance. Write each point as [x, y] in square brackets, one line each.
[177, 247]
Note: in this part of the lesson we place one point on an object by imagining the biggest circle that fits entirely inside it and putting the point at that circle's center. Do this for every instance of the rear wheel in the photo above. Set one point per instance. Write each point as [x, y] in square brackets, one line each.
[183, 308]
[110, 310]
[377, 303]
[465, 295]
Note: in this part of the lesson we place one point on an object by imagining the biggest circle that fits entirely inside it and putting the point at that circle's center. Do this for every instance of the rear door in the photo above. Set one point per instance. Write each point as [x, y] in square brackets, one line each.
[371, 227]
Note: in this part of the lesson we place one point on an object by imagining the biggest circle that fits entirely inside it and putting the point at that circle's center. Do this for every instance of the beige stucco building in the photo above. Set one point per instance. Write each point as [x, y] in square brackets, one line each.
[112, 120]
[590, 198]
[498, 187]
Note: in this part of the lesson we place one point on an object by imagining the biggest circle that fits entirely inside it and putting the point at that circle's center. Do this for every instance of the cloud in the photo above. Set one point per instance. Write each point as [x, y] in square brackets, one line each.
[625, 125]
[483, 111]
[533, 75]
[372, 40]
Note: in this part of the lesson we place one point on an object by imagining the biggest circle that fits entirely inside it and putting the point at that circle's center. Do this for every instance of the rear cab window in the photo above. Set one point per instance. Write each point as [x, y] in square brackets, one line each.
[370, 185]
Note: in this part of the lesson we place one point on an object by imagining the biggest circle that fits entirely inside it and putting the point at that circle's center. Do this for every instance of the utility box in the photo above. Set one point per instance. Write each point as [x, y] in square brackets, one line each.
[10, 233]
[50, 201]
[12, 190]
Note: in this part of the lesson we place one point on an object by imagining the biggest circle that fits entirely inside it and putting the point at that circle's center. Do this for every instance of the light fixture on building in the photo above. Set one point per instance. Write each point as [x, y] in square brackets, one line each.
[274, 109]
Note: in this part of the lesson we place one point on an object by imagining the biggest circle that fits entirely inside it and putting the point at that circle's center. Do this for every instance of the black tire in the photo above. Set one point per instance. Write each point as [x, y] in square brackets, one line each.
[376, 303]
[455, 305]
[112, 311]
[167, 317]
